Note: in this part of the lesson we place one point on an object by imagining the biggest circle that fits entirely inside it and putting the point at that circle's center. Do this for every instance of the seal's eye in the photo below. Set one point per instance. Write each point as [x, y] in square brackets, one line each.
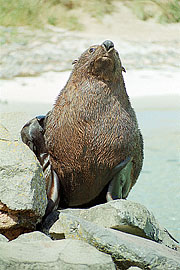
[91, 50]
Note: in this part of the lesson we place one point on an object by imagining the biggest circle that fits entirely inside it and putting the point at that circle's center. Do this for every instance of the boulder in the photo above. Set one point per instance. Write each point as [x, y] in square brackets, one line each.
[126, 250]
[37, 251]
[126, 216]
[22, 187]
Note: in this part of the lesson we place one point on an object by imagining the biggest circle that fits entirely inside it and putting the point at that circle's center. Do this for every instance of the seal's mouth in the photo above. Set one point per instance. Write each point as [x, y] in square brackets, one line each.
[108, 48]
[108, 54]
[104, 58]
[109, 51]
[104, 62]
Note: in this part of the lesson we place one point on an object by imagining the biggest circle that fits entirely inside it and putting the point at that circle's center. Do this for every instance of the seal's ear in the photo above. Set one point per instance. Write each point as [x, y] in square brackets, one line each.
[74, 62]
[123, 69]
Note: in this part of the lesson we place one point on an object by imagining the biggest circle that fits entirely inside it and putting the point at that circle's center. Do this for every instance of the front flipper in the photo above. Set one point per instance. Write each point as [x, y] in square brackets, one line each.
[32, 135]
[121, 182]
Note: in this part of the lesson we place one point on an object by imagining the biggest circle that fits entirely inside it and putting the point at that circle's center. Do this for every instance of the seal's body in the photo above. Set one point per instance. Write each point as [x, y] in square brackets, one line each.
[92, 130]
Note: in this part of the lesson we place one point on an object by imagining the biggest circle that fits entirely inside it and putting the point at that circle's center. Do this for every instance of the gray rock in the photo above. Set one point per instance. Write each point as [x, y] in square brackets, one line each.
[32, 237]
[126, 250]
[126, 216]
[11, 123]
[22, 187]
[64, 255]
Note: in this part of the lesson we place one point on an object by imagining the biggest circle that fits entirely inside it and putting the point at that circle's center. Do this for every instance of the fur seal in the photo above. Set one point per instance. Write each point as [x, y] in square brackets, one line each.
[89, 145]
[92, 135]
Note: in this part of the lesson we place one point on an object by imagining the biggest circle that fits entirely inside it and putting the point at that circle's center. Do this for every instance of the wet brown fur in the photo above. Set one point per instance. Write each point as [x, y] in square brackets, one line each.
[92, 127]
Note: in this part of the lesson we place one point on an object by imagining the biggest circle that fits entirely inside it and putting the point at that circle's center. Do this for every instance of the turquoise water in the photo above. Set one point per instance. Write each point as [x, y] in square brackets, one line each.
[158, 187]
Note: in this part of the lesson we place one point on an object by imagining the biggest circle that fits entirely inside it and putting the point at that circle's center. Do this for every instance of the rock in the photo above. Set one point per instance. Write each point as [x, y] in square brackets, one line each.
[3, 238]
[126, 250]
[126, 216]
[42, 254]
[11, 123]
[32, 237]
[22, 187]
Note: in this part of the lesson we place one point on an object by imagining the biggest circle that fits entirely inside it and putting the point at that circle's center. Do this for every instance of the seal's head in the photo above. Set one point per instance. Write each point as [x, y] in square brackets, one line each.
[101, 61]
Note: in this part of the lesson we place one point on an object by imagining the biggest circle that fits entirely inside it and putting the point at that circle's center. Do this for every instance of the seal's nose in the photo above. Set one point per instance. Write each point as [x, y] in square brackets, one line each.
[108, 44]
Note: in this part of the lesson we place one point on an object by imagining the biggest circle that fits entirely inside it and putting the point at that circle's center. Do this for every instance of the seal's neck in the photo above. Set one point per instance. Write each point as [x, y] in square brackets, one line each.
[114, 87]
[118, 89]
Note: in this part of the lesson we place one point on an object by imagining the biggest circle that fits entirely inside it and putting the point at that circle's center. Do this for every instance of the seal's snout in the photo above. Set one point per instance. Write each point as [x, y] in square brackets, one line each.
[108, 44]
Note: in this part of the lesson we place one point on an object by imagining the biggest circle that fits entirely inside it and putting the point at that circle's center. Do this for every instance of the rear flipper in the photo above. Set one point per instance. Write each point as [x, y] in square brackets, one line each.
[32, 135]
[121, 182]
